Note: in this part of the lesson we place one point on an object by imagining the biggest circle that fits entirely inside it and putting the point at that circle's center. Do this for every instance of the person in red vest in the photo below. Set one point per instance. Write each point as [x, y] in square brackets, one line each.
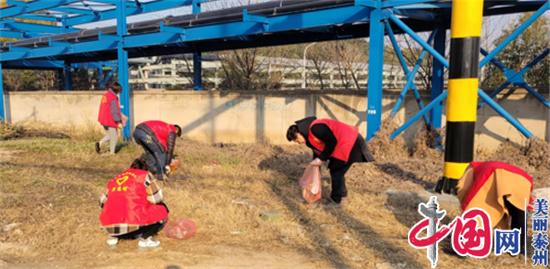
[332, 141]
[110, 117]
[133, 207]
[501, 189]
[158, 140]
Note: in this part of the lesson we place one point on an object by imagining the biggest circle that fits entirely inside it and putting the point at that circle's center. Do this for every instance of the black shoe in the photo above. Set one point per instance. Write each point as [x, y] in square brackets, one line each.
[336, 198]
[97, 148]
[331, 204]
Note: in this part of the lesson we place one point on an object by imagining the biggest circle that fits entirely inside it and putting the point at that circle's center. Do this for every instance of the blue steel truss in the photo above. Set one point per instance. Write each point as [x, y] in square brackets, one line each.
[62, 44]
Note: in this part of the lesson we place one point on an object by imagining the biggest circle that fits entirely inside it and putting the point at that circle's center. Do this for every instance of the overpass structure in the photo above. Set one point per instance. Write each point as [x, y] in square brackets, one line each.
[197, 26]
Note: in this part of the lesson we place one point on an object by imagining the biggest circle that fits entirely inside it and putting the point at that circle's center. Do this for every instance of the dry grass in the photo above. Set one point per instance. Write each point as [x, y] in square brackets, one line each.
[50, 189]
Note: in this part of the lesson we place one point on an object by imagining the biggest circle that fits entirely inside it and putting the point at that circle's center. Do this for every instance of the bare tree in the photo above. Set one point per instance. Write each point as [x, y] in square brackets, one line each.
[258, 68]
[319, 55]
[346, 55]
[411, 53]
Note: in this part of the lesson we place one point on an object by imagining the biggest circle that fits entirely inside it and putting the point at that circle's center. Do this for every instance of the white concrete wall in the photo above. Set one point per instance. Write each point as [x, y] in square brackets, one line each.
[249, 117]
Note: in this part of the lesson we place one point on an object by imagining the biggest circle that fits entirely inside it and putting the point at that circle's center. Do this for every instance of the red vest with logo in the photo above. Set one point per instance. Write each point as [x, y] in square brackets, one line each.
[127, 201]
[345, 138]
[161, 130]
[105, 118]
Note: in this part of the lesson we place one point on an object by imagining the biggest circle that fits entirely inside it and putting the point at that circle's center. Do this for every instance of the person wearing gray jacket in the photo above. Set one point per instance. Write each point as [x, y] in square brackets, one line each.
[110, 118]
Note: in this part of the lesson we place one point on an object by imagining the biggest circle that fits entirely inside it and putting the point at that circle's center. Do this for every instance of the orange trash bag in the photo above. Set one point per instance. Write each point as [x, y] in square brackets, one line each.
[310, 182]
[180, 229]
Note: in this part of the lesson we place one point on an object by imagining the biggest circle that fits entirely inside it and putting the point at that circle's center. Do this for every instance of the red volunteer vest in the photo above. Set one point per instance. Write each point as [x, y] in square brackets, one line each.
[127, 201]
[161, 130]
[105, 118]
[345, 138]
[483, 170]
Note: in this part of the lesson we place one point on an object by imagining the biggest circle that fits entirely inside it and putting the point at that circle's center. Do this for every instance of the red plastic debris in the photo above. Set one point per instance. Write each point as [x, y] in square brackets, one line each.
[180, 229]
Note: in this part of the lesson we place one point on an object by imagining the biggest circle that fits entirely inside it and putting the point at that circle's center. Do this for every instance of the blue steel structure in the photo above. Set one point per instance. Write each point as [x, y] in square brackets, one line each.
[204, 27]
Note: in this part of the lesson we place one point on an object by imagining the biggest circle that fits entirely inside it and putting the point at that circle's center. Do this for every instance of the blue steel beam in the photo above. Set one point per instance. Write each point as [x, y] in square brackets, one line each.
[389, 3]
[106, 78]
[445, 63]
[410, 75]
[482, 95]
[515, 33]
[122, 57]
[436, 55]
[376, 65]
[197, 56]
[12, 34]
[67, 77]
[99, 79]
[133, 10]
[74, 10]
[20, 53]
[34, 64]
[516, 78]
[395, 3]
[536, 94]
[438, 72]
[2, 107]
[36, 28]
[435, 102]
[37, 5]
[310, 19]
[39, 17]
[197, 71]
[504, 113]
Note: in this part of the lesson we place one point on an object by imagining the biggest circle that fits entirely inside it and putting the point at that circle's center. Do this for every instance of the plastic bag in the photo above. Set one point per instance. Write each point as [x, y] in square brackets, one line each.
[310, 182]
[180, 229]
[124, 119]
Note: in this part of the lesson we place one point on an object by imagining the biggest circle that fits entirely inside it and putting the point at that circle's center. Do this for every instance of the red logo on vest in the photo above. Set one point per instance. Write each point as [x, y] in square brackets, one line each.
[127, 201]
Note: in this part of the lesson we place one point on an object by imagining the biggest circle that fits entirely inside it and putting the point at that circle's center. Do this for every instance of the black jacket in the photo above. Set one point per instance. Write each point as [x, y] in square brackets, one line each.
[359, 152]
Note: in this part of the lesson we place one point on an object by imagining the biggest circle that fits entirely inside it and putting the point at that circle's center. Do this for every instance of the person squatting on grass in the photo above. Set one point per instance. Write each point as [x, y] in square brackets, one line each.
[501, 189]
[133, 207]
[110, 117]
[158, 140]
[331, 140]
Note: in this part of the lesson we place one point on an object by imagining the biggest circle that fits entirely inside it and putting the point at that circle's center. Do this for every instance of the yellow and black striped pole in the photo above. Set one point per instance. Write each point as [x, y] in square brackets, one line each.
[466, 23]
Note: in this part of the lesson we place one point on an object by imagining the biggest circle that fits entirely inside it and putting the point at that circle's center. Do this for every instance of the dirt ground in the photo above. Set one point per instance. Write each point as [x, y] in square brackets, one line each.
[50, 189]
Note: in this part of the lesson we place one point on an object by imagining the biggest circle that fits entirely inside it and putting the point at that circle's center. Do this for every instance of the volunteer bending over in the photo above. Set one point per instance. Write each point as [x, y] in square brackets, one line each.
[333, 141]
[158, 140]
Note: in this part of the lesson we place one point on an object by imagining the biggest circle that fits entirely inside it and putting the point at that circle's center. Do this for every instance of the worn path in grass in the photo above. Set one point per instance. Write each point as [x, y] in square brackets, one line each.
[49, 209]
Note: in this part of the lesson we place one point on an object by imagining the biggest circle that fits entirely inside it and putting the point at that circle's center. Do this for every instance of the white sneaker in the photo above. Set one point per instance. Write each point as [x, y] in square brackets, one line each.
[148, 243]
[112, 241]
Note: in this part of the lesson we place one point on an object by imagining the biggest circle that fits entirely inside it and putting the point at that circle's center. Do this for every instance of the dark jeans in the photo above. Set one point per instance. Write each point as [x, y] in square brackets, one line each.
[144, 232]
[154, 155]
[518, 221]
[339, 189]
[338, 168]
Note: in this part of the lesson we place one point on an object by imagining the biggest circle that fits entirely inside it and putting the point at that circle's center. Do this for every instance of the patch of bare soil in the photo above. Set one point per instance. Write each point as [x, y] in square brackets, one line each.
[245, 200]
[532, 155]
[385, 149]
[8, 131]
[426, 144]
